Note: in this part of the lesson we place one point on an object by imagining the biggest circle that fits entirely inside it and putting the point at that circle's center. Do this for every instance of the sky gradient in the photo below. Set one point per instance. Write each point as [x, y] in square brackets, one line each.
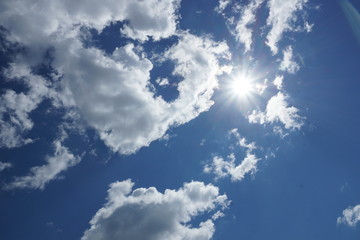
[179, 119]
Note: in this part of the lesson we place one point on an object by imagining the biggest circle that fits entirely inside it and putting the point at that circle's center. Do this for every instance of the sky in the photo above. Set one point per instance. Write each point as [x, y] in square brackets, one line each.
[179, 119]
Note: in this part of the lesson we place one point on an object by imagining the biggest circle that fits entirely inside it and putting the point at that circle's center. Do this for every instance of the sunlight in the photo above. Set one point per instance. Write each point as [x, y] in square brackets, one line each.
[242, 85]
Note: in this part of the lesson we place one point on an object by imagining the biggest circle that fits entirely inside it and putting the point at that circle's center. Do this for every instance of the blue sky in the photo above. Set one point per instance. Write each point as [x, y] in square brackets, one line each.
[179, 119]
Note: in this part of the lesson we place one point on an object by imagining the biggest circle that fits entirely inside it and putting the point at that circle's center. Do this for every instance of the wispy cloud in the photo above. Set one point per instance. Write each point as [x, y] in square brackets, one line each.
[281, 19]
[5, 165]
[40, 176]
[243, 32]
[288, 63]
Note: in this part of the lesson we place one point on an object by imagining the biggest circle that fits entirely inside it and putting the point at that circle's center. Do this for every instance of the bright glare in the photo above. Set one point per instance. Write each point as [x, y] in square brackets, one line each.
[242, 86]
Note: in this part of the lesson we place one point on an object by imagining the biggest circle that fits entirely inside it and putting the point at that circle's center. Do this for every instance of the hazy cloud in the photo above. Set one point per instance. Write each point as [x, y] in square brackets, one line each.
[4, 165]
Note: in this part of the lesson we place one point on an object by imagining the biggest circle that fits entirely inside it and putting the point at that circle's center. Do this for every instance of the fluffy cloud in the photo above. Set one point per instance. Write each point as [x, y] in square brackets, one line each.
[162, 81]
[132, 214]
[278, 82]
[112, 91]
[242, 31]
[223, 168]
[278, 110]
[4, 165]
[15, 107]
[41, 175]
[43, 25]
[30, 22]
[351, 216]
[281, 18]
[288, 63]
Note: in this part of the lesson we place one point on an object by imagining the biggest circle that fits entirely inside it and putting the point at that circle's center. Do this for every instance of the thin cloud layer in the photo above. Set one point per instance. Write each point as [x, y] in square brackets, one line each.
[132, 214]
[350, 216]
[5, 165]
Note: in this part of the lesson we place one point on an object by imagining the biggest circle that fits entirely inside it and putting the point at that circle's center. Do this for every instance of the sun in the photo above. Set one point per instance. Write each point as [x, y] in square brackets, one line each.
[242, 85]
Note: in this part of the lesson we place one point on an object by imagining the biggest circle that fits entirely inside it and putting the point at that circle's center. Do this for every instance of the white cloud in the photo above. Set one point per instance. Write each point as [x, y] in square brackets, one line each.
[351, 216]
[224, 168]
[288, 63]
[112, 91]
[4, 165]
[40, 176]
[32, 21]
[222, 5]
[261, 87]
[162, 81]
[278, 109]
[153, 18]
[241, 141]
[40, 25]
[132, 214]
[242, 31]
[113, 96]
[282, 16]
[278, 82]
[16, 107]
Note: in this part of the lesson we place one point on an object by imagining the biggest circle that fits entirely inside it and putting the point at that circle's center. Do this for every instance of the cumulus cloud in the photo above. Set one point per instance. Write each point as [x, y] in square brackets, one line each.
[32, 21]
[278, 110]
[132, 214]
[351, 216]
[288, 63]
[4, 165]
[282, 15]
[243, 32]
[111, 91]
[15, 107]
[222, 168]
[278, 82]
[40, 176]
